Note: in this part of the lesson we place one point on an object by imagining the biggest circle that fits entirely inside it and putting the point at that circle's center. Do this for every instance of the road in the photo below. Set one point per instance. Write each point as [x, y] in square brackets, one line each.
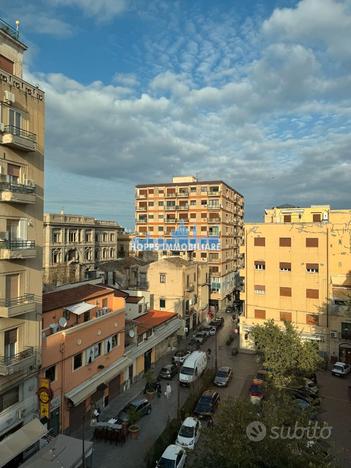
[131, 455]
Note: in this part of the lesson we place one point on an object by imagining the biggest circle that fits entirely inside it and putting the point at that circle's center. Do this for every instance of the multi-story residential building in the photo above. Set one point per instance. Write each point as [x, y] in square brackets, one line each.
[82, 351]
[180, 286]
[75, 246]
[213, 209]
[298, 269]
[21, 227]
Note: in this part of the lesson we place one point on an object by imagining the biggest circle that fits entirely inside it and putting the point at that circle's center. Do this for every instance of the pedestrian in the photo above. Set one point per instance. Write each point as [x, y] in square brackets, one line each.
[210, 422]
[96, 414]
[168, 391]
[158, 389]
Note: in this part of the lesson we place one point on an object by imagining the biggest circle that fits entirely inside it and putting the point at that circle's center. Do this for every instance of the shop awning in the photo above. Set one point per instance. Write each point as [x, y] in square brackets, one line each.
[21, 440]
[79, 309]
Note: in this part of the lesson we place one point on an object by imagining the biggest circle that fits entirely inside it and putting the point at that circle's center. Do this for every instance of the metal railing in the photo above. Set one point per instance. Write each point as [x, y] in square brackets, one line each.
[17, 244]
[10, 302]
[17, 131]
[19, 188]
[16, 358]
[9, 29]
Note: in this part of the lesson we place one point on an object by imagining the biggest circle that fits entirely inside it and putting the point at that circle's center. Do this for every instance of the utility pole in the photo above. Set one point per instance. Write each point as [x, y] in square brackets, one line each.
[83, 441]
[215, 316]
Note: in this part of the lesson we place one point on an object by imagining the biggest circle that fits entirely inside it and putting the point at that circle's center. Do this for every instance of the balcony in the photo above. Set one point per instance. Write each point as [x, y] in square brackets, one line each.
[183, 193]
[213, 207]
[17, 306]
[171, 195]
[189, 288]
[141, 208]
[18, 138]
[18, 249]
[213, 193]
[214, 220]
[170, 207]
[18, 362]
[170, 220]
[183, 207]
[17, 193]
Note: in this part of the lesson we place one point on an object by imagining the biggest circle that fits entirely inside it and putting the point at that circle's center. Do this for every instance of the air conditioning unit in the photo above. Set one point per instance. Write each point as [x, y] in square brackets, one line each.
[9, 97]
[2, 127]
[333, 334]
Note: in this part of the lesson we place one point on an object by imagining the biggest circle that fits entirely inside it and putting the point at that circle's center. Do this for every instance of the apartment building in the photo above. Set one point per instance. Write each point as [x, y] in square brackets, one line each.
[75, 246]
[212, 209]
[180, 286]
[21, 226]
[298, 269]
[82, 351]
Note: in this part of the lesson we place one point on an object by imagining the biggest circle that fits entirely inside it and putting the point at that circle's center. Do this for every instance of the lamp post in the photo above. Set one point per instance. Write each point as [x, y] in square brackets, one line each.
[215, 316]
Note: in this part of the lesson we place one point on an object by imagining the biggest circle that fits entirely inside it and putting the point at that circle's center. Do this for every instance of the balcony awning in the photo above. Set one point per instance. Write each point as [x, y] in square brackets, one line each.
[342, 294]
[21, 440]
[79, 309]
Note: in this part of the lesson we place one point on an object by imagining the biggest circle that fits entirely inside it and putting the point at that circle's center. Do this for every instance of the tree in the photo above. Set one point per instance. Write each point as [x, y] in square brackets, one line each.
[284, 354]
[227, 444]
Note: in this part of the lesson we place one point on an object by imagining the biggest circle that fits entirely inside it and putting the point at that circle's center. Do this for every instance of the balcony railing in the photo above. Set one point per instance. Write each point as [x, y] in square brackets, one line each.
[18, 188]
[170, 207]
[171, 220]
[17, 244]
[17, 131]
[182, 207]
[16, 358]
[183, 193]
[10, 30]
[14, 301]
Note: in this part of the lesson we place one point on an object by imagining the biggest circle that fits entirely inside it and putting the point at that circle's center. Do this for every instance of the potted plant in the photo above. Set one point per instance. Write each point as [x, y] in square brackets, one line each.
[150, 387]
[133, 427]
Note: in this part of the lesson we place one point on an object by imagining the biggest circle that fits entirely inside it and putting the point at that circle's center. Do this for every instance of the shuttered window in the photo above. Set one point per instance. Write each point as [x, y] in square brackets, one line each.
[312, 319]
[285, 266]
[312, 267]
[260, 314]
[285, 241]
[285, 316]
[312, 293]
[312, 242]
[6, 64]
[287, 218]
[260, 241]
[259, 289]
[13, 170]
[317, 217]
[285, 292]
[260, 265]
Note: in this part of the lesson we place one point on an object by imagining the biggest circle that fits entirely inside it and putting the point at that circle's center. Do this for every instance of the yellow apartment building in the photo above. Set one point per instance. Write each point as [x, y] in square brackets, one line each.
[212, 208]
[21, 228]
[180, 286]
[298, 269]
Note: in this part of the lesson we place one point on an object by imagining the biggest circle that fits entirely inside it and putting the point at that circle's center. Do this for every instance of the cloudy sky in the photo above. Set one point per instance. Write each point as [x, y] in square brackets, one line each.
[257, 93]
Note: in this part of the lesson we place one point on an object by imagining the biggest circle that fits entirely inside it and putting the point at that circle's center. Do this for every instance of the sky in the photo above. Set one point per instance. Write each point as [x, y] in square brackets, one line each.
[256, 93]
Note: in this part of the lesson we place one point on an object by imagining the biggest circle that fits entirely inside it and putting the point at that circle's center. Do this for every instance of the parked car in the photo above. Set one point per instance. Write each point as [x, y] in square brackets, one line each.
[181, 355]
[173, 457]
[256, 393]
[311, 386]
[223, 376]
[217, 322]
[229, 310]
[192, 368]
[261, 376]
[213, 331]
[189, 433]
[199, 337]
[341, 369]
[141, 406]
[206, 331]
[207, 404]
[168, 371]
[303, 394]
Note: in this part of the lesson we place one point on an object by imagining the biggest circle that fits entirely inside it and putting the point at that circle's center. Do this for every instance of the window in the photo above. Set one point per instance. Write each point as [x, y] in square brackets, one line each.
[285, 266]
[285, 292]
[192, 215]
[192, 202]
[285, 316]
[312, 242]
[260, 241]
[259, 289]
[9, 398]
[160, 228]
[193, 189]
[50, 373]
[163, 277]
[203, 202]
[312, 293]
[10, 342]
[72, 236]
[203, 189]
[284, 242]
[105, 302]
[346, 330]
[86, 316]
[312, 267]
[162, 303]
[92, 353]
[150, 203]
[312, 319]
[56, 236]
[77, 361]
[6, 64]
[260, 314]
[287, 218]
[260, 265]
[317, 217]
[203, 255]
[203, 215]
[15, 120]
[111, 342]
[160, 203]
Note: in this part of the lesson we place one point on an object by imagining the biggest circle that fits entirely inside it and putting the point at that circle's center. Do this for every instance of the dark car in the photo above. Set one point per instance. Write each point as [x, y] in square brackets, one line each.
[217, 322]
[223, 376]
[199, 337]
[142, 407]
[303, 394]
[168, 371]
[207, 404]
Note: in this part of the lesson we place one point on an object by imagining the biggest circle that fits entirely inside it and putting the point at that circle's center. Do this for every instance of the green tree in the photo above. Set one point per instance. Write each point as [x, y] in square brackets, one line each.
[227, 444]
[286, 356]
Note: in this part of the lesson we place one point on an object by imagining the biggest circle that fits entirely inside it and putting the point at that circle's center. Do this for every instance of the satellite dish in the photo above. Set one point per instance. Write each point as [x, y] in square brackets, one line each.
[131, 333]
[62, 322]
[53, 327]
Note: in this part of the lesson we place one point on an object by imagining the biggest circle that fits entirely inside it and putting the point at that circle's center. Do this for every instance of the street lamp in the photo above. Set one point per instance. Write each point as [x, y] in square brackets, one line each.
[215, 316]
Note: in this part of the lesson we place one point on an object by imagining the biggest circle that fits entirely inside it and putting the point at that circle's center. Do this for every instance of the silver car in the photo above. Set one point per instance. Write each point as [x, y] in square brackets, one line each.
[223, 376]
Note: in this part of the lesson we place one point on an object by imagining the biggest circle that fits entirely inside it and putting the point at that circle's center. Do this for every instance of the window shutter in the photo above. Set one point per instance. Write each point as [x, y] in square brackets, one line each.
[312, 319]
[312, 293]
[259, 287]
[287, 218]
[285, 316]
[13, 170]
[312, 242]
[285, 242]
[285, 292]
[316, 217]
[260, 241]
[312, 266]
[285, 266]
[6, 64]
[260, 314]
[11, 337]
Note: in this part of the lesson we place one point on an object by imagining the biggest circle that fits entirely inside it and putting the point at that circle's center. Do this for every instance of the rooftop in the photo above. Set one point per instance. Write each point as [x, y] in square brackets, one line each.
[198, 182]
[10, 30]
[153, 319]
[56, 299]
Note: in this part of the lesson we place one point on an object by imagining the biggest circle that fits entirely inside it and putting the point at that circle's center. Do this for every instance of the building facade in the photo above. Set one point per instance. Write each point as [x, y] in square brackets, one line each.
[298, 269]
[21, 227]
[213, 209]
[75, 246]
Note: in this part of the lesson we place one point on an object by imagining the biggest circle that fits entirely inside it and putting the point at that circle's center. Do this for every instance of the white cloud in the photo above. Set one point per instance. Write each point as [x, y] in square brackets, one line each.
[103, 10]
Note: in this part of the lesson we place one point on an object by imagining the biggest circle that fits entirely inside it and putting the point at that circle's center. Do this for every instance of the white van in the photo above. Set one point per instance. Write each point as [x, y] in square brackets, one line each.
[193, 366]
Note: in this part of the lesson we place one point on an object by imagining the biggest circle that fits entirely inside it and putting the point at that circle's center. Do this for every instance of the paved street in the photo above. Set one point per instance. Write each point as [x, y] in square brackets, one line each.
[336, 410]
[131, 455]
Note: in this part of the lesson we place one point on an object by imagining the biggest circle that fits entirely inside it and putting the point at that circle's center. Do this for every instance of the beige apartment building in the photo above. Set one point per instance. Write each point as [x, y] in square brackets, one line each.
[21, 227]
[75, 246]
[180, 286]
[212, 208]
[298, 269]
